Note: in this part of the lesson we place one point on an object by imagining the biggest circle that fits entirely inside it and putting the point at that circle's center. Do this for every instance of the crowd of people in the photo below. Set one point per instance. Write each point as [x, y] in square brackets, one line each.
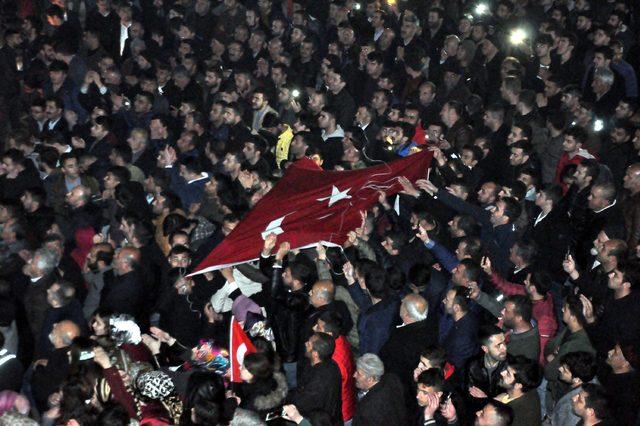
[501, 288]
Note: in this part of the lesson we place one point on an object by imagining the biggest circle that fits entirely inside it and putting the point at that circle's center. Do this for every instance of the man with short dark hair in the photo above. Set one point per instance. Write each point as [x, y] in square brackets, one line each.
[254, 152]
[458, 132]
[516, 314]
[460, 339]
[18, 175]
[621, 374]
[591, 405]
[520, 380]
[332, 134]
[617, 151]
[69, 178]
[494, 413]
[576, 369]
[483, 371]
[329, 322]
[435, 407]
[320, 388]
[572, 338]
[617, 319]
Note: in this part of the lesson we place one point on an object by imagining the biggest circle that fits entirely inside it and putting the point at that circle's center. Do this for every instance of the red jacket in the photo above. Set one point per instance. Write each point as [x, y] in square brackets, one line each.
[543, 311]
[342, 356]
[564, 161]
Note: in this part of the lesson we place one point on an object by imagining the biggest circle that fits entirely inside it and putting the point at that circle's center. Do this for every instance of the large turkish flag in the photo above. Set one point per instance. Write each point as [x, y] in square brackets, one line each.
[310, 205]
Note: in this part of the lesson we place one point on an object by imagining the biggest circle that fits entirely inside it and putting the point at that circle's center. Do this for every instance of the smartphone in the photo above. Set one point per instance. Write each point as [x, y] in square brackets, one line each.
[273, 415]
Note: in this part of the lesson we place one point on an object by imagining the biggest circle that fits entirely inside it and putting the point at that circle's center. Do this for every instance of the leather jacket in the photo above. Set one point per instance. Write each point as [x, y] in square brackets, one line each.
[478, 376]
[288, 313]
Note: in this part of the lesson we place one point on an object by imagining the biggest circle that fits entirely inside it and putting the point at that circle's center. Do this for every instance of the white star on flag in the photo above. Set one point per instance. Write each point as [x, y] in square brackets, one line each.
[336, 195]
[273, 227]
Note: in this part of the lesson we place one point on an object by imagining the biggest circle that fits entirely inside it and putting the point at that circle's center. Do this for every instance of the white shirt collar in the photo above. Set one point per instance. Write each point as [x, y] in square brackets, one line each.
[204, 175]
[540, 217]
[53, 123]
[604, 208]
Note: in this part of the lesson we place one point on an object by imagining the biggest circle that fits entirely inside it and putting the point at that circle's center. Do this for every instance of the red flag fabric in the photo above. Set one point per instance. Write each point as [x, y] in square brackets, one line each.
[419, 137]
[310, 205]
[240, 345]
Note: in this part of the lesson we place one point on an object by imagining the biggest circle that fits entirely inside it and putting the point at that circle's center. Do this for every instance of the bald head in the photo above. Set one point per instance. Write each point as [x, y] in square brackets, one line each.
[322, 293]
[126, 260]
[79, 196]
[631, 180]
[414, 308]
[63, 333]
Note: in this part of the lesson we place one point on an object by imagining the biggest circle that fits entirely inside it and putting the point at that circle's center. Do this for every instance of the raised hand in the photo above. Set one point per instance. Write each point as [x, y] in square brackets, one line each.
[282, 251]
[569, 266]
[322, 251]
[485, 264]
[433, 403]
[407, 187]
[474, 290]
[423, 235]
[438, 155]
[448, 411]
[477, 392]
[269, 244]
[101, 357]
[151, 343]
[227, 274]
[587, 309]
[290, 412]
[427, 186]
[347, 268]
[382, 199]
[363, 221]
[160, 334]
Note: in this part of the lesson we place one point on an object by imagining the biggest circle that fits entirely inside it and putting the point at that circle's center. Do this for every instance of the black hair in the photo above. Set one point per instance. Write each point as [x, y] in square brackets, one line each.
[581, 365]
[258, 365]
[432, 377]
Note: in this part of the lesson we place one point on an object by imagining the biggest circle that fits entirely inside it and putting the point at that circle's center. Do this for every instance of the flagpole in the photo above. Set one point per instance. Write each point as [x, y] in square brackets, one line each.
[231, 354]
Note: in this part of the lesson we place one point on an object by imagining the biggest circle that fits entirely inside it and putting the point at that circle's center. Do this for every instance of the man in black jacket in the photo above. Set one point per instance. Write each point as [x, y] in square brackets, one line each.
[552, 220]
[126, 293]
[419, 330]
[289, 304]
[606, 215]
[49, 373]
[483, 372]
[381, 400]
[320, 388]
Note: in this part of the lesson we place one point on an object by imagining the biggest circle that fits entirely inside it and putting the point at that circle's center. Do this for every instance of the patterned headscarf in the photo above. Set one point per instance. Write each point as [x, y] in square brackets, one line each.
[155, 385]
[211, 357]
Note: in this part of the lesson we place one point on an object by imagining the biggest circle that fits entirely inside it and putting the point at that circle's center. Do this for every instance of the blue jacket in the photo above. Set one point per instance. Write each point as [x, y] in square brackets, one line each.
[498, 241]
[189, 192]
[375, 322]
[460, 339]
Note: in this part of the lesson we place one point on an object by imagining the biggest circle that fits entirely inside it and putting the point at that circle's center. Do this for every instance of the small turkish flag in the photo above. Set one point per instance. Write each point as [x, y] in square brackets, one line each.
[240, 346]
[310, 205]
